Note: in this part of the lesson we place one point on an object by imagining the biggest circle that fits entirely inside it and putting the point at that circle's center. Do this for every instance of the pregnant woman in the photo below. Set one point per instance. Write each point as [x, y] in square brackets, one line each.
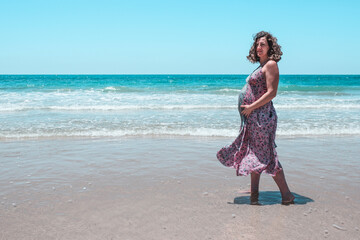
[253, 151]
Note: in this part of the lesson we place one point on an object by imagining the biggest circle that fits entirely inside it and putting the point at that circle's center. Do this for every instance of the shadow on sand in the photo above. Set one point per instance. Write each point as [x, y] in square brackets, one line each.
[271, 198]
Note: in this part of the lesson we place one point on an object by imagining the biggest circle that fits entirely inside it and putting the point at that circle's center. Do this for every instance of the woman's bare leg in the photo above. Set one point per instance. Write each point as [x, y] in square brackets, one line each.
[255, 179]
[280, 180]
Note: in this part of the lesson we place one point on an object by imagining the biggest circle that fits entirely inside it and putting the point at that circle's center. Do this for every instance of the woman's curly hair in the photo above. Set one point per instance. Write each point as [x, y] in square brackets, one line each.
[274, 52]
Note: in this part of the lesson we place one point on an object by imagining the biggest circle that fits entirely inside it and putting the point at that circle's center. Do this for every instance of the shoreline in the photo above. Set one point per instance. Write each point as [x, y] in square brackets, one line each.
[184, 137]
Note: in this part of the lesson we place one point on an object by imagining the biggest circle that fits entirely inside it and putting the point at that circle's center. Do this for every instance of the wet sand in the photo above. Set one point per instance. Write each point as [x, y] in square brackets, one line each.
[174, 188]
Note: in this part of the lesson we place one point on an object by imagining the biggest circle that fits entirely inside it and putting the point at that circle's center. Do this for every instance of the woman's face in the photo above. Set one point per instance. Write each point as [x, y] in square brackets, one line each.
[262, 47]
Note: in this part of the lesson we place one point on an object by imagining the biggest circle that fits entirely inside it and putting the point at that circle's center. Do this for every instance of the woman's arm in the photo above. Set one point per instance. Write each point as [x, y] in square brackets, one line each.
[271, 72]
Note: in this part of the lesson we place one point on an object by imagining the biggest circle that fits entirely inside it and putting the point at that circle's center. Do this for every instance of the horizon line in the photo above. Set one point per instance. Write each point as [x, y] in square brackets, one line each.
[66, 74]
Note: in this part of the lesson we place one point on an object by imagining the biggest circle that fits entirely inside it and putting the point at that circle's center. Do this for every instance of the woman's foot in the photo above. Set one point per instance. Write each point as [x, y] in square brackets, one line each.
[245, 191]
[288, 199]
[254, 198]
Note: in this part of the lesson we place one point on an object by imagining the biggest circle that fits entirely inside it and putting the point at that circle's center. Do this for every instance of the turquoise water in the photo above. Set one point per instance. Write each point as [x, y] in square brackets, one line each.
[41, 106]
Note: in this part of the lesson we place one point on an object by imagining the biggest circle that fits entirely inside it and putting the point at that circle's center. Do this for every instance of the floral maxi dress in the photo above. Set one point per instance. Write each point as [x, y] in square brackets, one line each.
[254, 148]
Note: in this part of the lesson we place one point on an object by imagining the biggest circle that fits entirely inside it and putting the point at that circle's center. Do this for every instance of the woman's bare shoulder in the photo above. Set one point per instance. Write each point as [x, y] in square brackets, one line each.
[271, 67]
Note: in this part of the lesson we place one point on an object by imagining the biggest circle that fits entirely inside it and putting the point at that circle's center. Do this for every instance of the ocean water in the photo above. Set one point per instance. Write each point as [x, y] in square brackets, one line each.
[60, 106]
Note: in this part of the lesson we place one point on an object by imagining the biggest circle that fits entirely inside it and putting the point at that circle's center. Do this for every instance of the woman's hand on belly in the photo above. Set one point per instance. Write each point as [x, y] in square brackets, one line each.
[247, 109]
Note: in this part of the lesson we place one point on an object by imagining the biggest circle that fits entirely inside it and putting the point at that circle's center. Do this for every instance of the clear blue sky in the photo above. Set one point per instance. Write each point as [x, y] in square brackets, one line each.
[175, 37]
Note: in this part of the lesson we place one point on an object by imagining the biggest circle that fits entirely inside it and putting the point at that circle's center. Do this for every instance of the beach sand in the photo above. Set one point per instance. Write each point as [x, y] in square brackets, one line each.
[174, 188]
